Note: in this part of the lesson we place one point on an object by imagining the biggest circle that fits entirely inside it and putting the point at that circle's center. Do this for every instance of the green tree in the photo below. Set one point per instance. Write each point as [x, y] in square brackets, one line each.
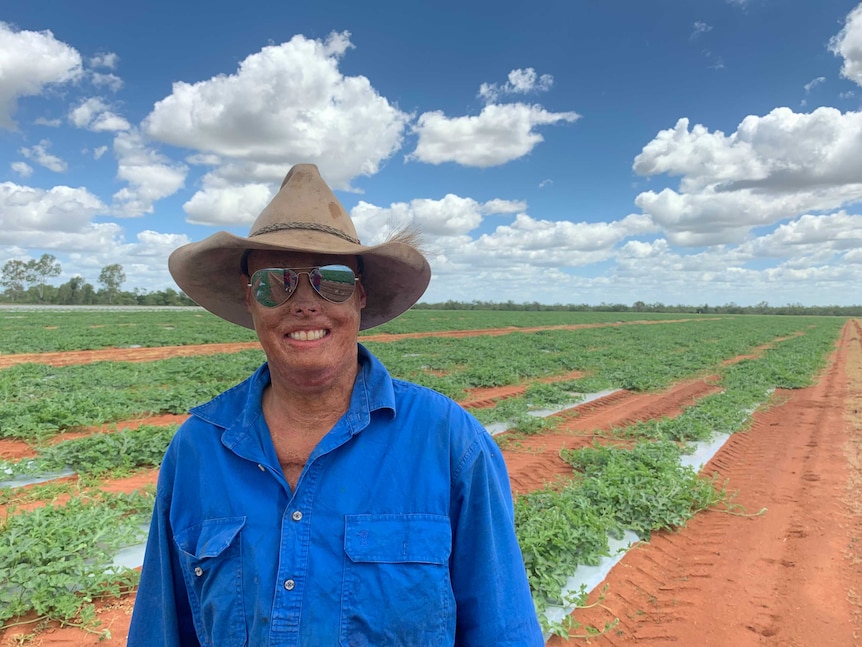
[72, 292]
[14, 277]
[111, 278]
[40, 271]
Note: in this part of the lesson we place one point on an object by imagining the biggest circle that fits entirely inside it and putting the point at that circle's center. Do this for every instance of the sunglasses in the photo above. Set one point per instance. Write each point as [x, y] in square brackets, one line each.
[273, 286]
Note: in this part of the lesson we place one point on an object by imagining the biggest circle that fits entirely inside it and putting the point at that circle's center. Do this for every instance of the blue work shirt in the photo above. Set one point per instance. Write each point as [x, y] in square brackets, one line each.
[399, 532]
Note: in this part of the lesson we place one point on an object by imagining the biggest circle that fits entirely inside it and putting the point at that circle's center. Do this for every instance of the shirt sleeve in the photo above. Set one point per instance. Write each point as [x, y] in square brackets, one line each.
[161, 616]
[494, 604]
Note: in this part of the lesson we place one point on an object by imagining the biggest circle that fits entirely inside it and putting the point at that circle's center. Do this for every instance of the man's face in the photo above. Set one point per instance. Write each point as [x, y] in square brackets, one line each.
[308, 340]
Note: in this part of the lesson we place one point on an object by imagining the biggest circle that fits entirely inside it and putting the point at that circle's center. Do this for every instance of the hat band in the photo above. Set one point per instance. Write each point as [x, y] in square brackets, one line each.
[309, 226]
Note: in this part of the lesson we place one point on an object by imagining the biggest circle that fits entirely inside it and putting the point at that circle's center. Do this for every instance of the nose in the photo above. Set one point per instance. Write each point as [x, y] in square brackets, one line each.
[304, 298]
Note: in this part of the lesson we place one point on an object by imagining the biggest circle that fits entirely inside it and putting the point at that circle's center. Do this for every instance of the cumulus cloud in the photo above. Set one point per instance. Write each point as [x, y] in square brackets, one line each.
[551, 242]
[450, 216]
[499, 134]
[286, 103]
[848, 45]
[772, 168]
[226, 205]
[520, 81]
[110, 81]
[814, 254]
[47, 219]
[810, 235]
[94, 114]
[150, 176]
[39, 154]
[32, 62]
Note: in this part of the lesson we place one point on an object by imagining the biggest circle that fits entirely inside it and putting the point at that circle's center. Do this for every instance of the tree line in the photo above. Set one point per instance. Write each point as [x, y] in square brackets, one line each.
[27, 282]
[731, 308]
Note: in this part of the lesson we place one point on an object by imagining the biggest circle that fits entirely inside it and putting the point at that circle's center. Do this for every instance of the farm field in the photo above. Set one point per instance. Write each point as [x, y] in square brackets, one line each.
[764, 547]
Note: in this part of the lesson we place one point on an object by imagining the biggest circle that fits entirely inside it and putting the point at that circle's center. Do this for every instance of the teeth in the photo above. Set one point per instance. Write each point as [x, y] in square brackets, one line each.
[307, 335]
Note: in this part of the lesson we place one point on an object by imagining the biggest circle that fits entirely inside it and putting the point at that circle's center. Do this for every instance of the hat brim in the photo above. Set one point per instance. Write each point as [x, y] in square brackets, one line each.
[395, 274]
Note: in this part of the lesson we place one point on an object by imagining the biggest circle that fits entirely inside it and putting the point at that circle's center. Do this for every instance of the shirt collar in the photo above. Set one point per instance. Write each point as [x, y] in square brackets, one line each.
[238, 409]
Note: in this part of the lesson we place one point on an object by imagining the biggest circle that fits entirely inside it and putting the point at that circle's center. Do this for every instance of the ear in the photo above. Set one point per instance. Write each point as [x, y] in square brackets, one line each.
[360, 294]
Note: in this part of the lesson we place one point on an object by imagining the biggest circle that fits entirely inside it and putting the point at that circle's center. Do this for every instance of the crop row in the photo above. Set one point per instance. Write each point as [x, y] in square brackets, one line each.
[559, 527]
[43, 330]
[38, 401]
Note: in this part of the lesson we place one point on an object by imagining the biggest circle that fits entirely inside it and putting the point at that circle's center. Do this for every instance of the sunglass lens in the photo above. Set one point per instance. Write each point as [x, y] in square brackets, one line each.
[272, 287]
[333, 282]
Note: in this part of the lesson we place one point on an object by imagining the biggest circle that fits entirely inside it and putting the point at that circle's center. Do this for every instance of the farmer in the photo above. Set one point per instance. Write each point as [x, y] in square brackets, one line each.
[321, 501]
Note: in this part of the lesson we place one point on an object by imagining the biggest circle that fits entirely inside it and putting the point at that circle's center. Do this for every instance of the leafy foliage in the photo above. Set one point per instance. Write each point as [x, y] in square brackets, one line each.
[98, 454]
[55, 560]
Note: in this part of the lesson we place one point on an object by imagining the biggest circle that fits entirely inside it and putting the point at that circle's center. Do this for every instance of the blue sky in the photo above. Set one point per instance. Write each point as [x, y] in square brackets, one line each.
[560, 152]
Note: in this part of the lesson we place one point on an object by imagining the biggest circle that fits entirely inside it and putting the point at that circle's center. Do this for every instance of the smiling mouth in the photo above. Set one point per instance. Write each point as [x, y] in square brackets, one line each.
[307, 335]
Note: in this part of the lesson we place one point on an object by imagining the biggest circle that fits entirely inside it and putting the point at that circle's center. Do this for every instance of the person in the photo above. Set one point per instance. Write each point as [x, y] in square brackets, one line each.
[321, 501]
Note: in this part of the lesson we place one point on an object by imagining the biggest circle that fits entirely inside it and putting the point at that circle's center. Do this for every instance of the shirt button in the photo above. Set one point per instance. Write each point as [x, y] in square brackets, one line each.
[199, 571]
[296, 516]
[261, 467]
[289, 584]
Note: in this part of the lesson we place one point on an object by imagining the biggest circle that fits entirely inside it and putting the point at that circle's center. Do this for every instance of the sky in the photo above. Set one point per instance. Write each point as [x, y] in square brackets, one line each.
[560, 152]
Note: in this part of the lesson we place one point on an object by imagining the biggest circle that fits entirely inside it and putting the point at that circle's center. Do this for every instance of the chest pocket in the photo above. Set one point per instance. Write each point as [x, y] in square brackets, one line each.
[396, 587]
[211, 558]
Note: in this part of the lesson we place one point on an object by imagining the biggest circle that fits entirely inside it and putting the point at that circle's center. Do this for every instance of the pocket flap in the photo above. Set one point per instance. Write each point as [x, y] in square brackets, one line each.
[396, 538]
[209, 538]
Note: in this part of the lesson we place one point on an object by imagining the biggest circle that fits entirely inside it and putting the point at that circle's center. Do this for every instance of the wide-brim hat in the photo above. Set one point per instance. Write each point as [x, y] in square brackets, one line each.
[304, 216]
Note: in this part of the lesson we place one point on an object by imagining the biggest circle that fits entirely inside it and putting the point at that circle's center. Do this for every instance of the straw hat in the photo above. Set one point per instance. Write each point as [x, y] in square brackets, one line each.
[304, 216]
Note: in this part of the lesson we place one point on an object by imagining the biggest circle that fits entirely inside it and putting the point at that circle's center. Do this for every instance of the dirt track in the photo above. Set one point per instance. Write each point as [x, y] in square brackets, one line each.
[791, 576]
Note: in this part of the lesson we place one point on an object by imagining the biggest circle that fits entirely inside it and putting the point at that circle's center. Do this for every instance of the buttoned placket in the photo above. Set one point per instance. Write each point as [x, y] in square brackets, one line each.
[295, 544]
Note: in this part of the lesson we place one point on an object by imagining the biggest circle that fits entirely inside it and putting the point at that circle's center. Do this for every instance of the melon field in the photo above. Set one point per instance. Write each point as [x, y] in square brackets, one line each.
[627, 536]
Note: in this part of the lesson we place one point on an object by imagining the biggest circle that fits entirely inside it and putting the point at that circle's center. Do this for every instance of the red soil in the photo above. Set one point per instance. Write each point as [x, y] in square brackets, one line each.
[788, 577]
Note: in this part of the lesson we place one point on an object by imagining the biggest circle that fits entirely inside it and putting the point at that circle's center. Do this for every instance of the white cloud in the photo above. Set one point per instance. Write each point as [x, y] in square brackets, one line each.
[285, 104]
[39, 154]
[499, 206]
[32, 61]
[94, 114]
[848, 45]
[152, 244]
[46, 218]
[813, 83]
[813, 261]
[449, 216]
[99, 151]
[810, 235]
[563, 242]
[226, 205]
[234, 193]
[203, 159]
[107, 60]
[150, 175]
[499, 134]
[110, 81]
[772, 168]
[521, 81]
[22, 168]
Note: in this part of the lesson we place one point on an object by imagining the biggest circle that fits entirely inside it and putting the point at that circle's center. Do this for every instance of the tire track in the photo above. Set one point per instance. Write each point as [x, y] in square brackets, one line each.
[780, 578]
